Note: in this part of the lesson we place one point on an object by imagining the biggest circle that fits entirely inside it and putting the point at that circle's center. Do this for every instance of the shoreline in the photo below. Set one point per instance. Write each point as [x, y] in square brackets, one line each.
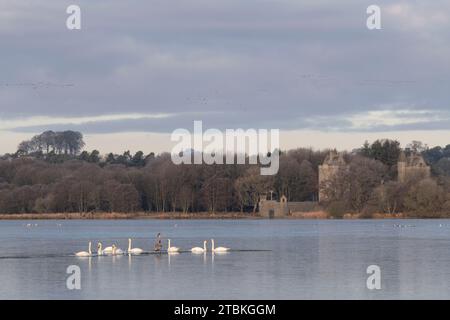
[320, 215]
[127, 216]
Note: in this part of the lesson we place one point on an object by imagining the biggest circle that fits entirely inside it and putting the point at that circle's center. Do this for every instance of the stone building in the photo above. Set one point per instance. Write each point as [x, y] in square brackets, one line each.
[283, 208]
[333, 164]
[272, 208]
[412, 167]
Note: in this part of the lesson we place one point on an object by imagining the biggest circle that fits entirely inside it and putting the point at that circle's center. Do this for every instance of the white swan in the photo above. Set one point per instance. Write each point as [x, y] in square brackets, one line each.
[116, 251]
[172, 249]
[84, 253]
[198, 249]
[100, 252]
[108, 250]
[133, 250]
[218, 249]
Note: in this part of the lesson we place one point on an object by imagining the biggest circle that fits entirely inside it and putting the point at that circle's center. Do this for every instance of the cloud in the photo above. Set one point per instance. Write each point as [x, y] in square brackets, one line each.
[418, 16]
[286, 64]
[384, 120]
[396, 118]
[47, 121]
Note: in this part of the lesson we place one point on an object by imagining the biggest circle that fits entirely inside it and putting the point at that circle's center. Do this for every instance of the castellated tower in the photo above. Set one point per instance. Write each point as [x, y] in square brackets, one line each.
[333, 164]
[412, 167]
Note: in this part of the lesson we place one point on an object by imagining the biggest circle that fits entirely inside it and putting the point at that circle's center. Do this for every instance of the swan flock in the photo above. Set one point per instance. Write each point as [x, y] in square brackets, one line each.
[113, 250]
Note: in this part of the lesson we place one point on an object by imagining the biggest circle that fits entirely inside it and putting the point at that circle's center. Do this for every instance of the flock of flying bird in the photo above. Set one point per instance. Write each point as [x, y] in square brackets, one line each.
[114, 250]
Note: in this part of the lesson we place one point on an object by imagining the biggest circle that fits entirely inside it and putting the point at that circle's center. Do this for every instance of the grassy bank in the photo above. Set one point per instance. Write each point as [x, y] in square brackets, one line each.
[134, 215]
[321, 215]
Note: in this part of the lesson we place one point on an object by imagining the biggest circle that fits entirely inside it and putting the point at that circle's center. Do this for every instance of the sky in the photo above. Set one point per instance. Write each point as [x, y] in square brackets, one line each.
[138, 70]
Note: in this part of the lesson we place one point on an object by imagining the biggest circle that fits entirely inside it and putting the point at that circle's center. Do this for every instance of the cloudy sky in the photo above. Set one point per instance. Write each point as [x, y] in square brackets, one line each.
[137, 70]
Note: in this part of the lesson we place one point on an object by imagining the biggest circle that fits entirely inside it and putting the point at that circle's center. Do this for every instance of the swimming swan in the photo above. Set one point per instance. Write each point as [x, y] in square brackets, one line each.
[100, 252]
[133, 250]
[218, 249]
[84, 253]
[107, 250]
[116, 251]
[172, 249]
[198, 249]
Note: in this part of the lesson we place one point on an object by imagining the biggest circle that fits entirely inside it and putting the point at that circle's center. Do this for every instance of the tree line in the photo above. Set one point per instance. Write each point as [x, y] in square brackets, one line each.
[50, 142]
[54, 177]
[371, 185]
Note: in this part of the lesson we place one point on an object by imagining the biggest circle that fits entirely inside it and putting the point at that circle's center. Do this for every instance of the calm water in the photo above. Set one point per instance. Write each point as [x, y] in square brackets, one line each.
[299, 260]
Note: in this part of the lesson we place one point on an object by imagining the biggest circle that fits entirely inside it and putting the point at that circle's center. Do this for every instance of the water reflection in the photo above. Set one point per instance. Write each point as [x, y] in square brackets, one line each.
[170, 255]
[302, 259]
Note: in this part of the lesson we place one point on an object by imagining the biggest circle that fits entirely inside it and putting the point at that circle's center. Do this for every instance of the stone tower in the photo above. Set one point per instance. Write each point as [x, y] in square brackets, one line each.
[412, 167]
[333, 164]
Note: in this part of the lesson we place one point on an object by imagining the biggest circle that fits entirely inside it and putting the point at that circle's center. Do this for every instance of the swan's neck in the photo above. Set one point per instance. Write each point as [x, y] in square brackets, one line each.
[129, 245]
[204, 245]
[169, 244]
[212, 243]
[90, 248]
